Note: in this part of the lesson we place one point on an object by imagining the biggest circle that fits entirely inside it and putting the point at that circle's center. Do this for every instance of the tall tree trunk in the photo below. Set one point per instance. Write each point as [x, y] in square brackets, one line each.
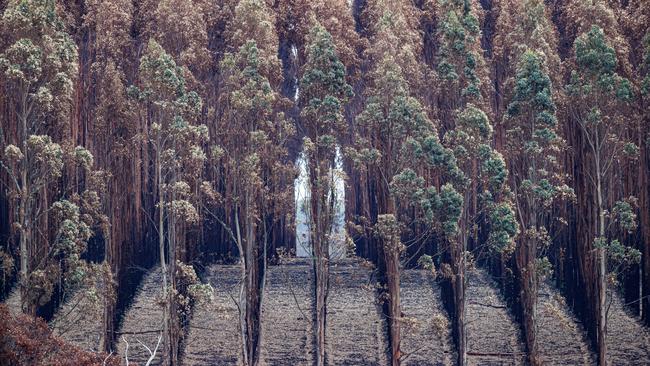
[458, 283]
[163, 263]
[243, 290]
[528, 296]
[25, 224]
[459, 302]
[644, 205]
[395, 312]
[602, 278]
[252, 287]
[319, 226]
[391, 250]
[109, 303]
[171, 301]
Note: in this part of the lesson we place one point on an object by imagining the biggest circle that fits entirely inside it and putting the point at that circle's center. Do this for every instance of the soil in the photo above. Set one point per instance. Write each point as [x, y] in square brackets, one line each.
[629, 340]
[424, 343]
[80, 321]
[142, 322]
[493, 337]
[287, 314]
[560, 336]
[355, 330]
[214, 336]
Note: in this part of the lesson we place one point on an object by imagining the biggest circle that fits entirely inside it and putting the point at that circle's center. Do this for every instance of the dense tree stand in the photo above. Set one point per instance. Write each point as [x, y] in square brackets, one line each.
[358, 182]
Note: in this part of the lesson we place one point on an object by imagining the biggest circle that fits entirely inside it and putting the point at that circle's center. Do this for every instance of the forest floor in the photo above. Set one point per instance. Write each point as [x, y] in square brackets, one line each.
[80, 320]
[142, 322]
[214, 336]
[629, 340]
[426, 334]
[287, 314]
[355, 331]
[13, 301]
[561, 337]
[493, 336]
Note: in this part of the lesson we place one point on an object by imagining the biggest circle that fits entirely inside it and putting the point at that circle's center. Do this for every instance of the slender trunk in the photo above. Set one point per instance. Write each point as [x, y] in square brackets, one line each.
[459, 290]
[602, 284]
[161, 249]
[459, 287]
[171, 303]
[529, 299]
[257, 355]
[319, 221]
[108, 299]
[391, 250]
[395, 313]
[25, 224]
[243, 289]
[322, 273]
[526, 262]
[252, 274]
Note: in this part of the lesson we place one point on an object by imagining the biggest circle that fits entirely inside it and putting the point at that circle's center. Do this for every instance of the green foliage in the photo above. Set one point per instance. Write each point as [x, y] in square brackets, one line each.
[323, 94]
[534, 144]
[645, 65]
[323, 88]
[41, 60]
[533, 91]
[593, 54]
[163, 84]
[407, 186]
[72, 235]
[503, 226]
[426, 262]
[40, 65]
[493, 167]
[450, 208]
[621, 255]
[459, 31]
[251, 133]
[388, 229]
[623, 214]
[394, 130]
[596, 68]
[174, 108]
[443, 158]
[473, 131]
[544, 267]
[251, 92]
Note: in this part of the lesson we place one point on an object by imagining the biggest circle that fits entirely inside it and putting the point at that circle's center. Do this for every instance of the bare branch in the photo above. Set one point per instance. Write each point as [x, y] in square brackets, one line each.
[154, 351]
[106, 359]
[126, 351]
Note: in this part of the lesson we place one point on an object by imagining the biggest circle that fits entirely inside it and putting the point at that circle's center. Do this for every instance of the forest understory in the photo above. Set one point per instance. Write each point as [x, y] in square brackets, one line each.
[325, 182]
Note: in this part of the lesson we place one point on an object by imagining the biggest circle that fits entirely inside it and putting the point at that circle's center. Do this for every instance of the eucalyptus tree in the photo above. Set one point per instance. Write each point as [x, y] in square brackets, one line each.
[479, 193]
[251, 152]
[323, 94]
[388, 139]
[250, 191]
[460, 68]
[175, 139]
[599, 96]
[527, 131]
[644, 307]
[391, 130]
[534, 144]
[39, 67]
[477, 165]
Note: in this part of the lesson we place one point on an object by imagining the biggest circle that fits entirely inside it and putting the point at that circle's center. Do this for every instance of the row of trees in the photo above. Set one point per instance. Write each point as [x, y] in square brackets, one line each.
[513, 133]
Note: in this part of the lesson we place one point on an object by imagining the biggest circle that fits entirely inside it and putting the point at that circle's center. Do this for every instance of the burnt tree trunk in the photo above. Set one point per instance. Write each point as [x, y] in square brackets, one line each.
[526, 262]
[320, 224]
